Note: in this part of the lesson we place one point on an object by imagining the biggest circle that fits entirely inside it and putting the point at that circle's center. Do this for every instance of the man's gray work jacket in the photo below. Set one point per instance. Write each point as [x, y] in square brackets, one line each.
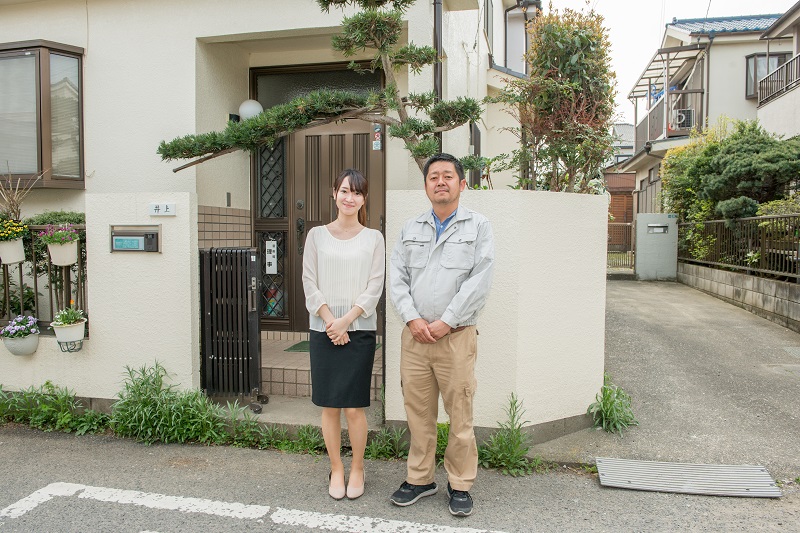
[447, 280]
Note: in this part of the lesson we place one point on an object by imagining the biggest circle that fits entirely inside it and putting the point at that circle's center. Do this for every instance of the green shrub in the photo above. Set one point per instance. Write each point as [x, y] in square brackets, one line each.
[612, 411]
[387, 444]
[508, 447]
[151, 411]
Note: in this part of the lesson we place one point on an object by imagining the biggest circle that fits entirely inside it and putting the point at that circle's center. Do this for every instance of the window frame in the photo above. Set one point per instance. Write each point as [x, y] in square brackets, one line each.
[42, 51]
[783, 57]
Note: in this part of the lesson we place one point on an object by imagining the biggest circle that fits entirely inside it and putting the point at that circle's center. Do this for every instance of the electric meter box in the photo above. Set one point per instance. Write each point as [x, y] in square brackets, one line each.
[126, 238]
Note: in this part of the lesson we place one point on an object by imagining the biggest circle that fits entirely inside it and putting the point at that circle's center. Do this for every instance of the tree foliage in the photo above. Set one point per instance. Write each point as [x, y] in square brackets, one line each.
[565, 107]
[731, 173]
[416, 119]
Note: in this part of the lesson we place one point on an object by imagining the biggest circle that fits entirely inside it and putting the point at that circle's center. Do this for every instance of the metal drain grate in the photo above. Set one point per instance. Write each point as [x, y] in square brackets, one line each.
[718, 480]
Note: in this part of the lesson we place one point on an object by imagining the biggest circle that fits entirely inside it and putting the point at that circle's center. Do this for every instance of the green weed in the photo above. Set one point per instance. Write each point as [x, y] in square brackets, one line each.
[309, 440]
[612, 411]
[244, 426]
[508, 447]
[91, 421]
[50, 408]
[273, 436]
[151, 411]
[387, 444]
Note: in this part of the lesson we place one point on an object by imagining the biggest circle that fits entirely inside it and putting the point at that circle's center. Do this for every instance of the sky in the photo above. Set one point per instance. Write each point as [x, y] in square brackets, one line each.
[636, 30]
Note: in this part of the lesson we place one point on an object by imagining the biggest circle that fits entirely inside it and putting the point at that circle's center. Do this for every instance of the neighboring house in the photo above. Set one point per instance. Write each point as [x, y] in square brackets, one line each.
[88, 89]
[778, 101]
[704, 70]
[620, 185]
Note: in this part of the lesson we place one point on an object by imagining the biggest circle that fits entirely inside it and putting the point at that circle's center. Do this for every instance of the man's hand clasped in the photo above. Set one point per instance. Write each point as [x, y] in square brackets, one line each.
[426, 333]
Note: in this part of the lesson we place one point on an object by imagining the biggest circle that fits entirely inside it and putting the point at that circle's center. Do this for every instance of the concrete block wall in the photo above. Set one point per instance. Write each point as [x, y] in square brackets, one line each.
[778, 301]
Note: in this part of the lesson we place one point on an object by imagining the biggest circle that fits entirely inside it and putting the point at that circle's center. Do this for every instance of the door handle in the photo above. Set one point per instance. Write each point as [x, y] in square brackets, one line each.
[301, 229]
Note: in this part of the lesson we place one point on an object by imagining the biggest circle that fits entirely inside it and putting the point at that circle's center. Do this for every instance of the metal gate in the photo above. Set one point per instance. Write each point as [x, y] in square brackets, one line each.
[620, 245]
[230, 338]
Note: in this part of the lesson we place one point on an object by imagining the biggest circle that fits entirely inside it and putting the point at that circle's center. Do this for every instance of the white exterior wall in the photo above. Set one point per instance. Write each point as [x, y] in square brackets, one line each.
[727, 83]
[144, 306]
[543, 328]
[782, 115]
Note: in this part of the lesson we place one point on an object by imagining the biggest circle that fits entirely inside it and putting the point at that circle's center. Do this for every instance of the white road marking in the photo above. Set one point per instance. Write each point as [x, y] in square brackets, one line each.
[359, 524]
[329, 522]
[143, 499]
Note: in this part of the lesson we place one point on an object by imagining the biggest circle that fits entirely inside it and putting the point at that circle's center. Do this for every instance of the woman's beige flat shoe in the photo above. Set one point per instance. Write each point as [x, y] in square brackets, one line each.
[356, 492]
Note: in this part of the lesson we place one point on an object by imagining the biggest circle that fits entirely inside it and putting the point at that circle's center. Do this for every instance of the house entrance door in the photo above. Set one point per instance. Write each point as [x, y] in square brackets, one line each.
[293, 193]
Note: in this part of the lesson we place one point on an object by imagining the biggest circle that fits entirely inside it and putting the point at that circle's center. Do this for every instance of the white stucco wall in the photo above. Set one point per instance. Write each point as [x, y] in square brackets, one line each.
[782, 115]
[143, 306]
[727, 83]
[543, 328]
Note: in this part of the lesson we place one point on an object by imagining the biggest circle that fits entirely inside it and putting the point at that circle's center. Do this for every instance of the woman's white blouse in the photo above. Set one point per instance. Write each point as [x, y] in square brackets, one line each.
[344, 273]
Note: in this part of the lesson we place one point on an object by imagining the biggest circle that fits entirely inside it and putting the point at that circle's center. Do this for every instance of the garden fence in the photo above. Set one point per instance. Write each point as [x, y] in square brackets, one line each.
[766, 246]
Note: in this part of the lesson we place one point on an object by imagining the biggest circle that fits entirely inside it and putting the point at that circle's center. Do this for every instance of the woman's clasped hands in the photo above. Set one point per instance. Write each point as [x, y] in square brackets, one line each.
[337, 331]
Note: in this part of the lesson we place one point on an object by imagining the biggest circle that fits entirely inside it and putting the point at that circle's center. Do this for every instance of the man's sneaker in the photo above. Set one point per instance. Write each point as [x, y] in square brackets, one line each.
[408, 493]
[460, 502]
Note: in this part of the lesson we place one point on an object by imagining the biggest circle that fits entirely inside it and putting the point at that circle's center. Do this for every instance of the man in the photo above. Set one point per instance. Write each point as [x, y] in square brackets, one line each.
[441, 271]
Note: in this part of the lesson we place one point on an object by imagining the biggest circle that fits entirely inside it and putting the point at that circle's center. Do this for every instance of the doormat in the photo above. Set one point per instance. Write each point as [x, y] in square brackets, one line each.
[718, 480]
[302, 346]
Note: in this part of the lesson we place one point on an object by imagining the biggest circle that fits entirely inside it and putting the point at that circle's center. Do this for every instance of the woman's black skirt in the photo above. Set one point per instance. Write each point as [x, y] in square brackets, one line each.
[341, 375]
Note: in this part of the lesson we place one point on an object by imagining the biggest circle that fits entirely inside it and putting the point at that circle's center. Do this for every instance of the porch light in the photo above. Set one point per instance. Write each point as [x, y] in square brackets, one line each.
[249, 109]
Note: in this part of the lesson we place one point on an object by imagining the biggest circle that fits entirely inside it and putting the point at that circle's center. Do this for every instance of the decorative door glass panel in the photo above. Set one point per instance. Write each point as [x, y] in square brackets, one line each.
[273, 296]
[272, 181]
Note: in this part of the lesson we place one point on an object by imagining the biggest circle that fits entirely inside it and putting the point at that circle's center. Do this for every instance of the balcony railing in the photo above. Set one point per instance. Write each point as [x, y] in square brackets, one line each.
[683, 110]
[767, 246]
[37, 287]
[781, 80]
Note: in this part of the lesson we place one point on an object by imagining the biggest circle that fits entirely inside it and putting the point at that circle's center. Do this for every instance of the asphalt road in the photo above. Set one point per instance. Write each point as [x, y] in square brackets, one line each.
[58, 483]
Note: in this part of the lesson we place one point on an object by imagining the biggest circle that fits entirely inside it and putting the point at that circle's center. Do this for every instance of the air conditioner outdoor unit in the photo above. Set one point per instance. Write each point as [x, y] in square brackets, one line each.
[683, 119]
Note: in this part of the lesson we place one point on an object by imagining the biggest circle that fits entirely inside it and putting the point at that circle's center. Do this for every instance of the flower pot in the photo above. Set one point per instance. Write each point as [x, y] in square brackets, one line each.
[12, 251]
[22, 345]
[63, 254]
[70, 332]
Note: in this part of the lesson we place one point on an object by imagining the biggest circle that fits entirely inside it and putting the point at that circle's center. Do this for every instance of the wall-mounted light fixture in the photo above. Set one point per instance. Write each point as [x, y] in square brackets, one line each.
[249, 109]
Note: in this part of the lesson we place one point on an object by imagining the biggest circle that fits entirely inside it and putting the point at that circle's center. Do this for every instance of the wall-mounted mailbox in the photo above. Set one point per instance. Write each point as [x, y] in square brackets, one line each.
[126, 238]
[658, 228]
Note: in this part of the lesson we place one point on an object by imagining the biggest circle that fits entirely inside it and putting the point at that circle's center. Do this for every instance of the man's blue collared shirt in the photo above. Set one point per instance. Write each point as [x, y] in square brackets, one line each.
[441, 226]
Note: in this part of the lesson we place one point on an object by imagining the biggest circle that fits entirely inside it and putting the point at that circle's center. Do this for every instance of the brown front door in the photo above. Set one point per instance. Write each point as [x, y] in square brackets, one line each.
[293, 193]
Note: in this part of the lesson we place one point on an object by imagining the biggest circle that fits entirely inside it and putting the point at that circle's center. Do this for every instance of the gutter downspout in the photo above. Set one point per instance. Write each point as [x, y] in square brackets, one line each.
[711, 36]
[437, 67]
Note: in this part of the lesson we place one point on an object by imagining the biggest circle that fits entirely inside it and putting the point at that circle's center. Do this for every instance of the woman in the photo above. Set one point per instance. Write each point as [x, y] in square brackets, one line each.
[343, 272]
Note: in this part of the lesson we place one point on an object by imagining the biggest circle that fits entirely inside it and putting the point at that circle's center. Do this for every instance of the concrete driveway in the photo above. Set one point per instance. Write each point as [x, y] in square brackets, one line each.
[710, 383]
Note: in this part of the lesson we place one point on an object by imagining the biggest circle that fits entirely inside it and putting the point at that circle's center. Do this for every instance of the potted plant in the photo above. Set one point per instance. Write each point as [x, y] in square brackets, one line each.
[11, 248]
[68, 325]
[21, 335]
[62, 243]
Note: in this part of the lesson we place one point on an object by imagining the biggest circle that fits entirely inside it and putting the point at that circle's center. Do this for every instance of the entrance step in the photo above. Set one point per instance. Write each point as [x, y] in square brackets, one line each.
[289, 373]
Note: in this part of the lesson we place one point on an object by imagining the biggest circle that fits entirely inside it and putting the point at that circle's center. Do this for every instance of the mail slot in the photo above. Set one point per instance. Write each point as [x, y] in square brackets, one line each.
[136, 238]
[658, 228]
